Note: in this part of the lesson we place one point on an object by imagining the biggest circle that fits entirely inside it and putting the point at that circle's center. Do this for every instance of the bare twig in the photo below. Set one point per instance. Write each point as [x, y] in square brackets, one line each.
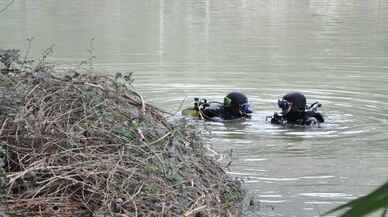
[181, 105]
[190, 212]
[72, 146]
[7, 6]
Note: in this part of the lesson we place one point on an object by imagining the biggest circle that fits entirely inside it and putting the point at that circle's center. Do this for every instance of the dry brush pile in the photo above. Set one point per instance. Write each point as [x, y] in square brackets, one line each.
[90, 146]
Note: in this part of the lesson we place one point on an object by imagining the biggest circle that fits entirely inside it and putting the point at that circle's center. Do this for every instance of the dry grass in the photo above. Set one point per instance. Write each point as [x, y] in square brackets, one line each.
[90, 146]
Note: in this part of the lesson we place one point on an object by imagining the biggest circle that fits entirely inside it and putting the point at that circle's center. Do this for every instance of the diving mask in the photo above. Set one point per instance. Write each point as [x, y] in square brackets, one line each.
[246, 108]
[284, 105]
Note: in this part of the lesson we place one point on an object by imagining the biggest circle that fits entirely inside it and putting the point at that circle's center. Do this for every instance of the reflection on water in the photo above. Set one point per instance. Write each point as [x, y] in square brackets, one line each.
[333, 51]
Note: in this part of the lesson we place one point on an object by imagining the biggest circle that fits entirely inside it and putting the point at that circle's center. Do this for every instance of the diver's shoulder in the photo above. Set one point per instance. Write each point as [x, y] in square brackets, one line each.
[315, 114]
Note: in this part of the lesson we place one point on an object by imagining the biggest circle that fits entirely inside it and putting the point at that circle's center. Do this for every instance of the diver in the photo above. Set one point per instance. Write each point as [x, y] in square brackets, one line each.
[295, 111]
[235, 106]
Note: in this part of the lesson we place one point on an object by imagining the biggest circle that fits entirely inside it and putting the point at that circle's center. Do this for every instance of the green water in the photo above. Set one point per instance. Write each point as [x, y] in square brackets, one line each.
[335, 51]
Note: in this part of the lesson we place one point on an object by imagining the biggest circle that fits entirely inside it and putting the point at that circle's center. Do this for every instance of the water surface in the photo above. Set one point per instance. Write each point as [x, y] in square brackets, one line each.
[333, 51]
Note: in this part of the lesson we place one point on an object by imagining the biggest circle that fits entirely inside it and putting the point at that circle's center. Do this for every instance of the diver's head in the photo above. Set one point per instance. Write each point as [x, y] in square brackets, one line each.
[237, 103]
[292, 102]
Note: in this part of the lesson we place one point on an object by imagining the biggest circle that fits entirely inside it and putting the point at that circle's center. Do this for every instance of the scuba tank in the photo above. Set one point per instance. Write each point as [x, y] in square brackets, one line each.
[196, 107]
[196, 110]
[314, 117]
[203, 109]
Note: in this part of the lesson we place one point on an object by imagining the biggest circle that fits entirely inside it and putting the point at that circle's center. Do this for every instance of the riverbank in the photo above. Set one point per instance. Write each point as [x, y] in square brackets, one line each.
[85, 145]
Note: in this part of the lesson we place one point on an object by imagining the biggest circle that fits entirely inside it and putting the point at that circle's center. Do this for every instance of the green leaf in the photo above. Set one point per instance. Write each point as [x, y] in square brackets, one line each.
[365, 205]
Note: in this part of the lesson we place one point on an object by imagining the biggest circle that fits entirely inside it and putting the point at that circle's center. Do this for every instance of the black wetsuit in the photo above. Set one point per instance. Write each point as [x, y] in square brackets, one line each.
[298, 118]
[216, 111]
[235, 106]
[298, 114]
